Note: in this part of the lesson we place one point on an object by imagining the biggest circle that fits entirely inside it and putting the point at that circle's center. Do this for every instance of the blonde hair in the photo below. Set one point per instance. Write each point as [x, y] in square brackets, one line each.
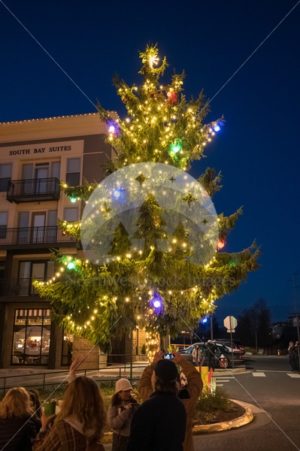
[82, 399]
[15, 403]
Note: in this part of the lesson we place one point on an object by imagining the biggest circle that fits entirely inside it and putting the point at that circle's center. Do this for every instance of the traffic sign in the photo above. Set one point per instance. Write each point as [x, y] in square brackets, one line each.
[230, 322]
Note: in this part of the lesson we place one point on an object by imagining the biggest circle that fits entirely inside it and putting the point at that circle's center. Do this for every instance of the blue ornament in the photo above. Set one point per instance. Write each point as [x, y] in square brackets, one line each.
[119, 195]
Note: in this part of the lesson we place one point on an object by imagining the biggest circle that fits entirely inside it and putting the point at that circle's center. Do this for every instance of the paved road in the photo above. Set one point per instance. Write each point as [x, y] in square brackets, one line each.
[275, 391]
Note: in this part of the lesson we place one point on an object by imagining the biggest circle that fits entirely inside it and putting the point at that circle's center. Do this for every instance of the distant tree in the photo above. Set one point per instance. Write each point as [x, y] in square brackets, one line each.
[254, 325]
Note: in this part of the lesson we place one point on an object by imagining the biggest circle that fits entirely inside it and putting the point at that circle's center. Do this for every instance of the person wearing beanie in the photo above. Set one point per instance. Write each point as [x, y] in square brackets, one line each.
[120, 414]
[160, 422]
[189, 395]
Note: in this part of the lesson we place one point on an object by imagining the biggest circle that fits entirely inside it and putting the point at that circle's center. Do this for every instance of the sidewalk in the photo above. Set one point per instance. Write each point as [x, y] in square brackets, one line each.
[12, 377]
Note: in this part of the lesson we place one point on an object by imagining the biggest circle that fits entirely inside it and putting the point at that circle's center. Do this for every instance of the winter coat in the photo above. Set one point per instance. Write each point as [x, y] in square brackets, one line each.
[67, 435]
[159, 424]
[119, 416]
[18, 433]
[194, 387]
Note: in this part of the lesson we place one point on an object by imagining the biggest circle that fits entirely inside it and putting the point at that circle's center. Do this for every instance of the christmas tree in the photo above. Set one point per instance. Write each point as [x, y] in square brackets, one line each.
[165, 264]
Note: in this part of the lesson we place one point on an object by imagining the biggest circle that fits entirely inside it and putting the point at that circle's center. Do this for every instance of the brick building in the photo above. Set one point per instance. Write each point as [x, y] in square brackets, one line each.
[35, 155]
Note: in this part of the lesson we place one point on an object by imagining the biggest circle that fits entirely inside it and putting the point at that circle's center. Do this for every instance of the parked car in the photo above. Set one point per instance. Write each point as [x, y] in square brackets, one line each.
[237, 349]
[212, 352]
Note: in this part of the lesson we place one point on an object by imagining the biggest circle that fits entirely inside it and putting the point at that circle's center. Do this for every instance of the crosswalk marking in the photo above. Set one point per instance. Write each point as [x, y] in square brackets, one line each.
[259, 374]
[294, 375]
[219, 378]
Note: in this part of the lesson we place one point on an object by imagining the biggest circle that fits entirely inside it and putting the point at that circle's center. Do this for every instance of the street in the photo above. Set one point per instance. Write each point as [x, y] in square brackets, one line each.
[272, 388]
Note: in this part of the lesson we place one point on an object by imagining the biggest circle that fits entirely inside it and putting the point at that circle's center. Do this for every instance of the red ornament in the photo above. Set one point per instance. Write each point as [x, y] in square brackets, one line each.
[172, 97]
[220, 244]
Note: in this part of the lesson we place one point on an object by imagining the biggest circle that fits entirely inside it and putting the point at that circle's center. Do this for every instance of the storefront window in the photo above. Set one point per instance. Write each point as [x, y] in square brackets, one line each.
[31, 340]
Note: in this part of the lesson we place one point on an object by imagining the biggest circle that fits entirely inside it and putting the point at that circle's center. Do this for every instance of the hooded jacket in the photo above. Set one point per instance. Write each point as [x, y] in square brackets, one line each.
[67, 435]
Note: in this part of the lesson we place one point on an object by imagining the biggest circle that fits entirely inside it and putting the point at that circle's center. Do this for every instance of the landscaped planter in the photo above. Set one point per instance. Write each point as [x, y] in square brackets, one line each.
[241, 420]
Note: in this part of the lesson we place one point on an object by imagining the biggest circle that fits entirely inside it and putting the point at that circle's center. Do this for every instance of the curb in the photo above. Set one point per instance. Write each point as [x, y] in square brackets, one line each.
[241, 421]
[231, 371]
[198, 429]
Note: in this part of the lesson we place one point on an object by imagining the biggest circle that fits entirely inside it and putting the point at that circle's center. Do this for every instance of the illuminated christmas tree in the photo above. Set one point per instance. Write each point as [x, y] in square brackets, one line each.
[159, 271]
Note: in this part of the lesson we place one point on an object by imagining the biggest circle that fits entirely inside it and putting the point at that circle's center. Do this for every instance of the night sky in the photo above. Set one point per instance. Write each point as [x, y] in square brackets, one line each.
[258, 149]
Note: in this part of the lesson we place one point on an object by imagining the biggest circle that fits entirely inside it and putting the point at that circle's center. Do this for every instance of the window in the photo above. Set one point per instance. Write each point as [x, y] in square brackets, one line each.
[73, 172]
[3, 283]
[30, 271]
[71, 214]
[37, 227]
[55, 169]
[37, 178]
[3, 224]
[31, 339]
[5, 176]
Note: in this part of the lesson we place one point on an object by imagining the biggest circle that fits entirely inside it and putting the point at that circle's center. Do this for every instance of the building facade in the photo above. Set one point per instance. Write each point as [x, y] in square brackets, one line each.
[35, 157]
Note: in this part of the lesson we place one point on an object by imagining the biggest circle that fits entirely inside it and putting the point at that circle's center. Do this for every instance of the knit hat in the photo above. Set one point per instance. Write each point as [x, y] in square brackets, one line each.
[166, 370]
[123, 385]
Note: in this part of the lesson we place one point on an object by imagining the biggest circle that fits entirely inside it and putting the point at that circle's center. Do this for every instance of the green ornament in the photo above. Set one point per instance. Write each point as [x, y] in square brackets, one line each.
[175, 147]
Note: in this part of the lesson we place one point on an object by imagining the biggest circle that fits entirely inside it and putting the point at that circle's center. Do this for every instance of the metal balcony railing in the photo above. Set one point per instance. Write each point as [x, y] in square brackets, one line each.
[28, 190]
[23, 286]
[32, 236]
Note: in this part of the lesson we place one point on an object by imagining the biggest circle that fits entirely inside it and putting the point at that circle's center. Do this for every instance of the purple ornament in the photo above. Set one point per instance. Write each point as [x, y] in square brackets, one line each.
[157, 303]
[113, 127]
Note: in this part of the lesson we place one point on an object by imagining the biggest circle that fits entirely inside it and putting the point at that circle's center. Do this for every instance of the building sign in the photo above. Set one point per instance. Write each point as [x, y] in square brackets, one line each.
[39, 150]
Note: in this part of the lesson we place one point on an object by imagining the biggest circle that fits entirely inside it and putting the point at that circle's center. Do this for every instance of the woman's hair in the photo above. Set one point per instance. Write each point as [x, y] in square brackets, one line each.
[116, 400]
[15, 403]
[35, 401]
[82, 399]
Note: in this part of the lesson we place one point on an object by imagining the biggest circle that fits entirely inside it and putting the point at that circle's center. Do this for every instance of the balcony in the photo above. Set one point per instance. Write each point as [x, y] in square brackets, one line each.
[34, 237]
[18, 287]
[30, 190]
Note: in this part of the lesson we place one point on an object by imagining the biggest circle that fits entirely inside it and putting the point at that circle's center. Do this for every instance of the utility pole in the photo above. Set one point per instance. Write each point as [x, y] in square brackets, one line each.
[211, 327]
[296, 316]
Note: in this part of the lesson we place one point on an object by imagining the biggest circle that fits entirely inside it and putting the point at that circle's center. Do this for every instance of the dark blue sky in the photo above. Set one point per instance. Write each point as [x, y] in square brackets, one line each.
[257, 151]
